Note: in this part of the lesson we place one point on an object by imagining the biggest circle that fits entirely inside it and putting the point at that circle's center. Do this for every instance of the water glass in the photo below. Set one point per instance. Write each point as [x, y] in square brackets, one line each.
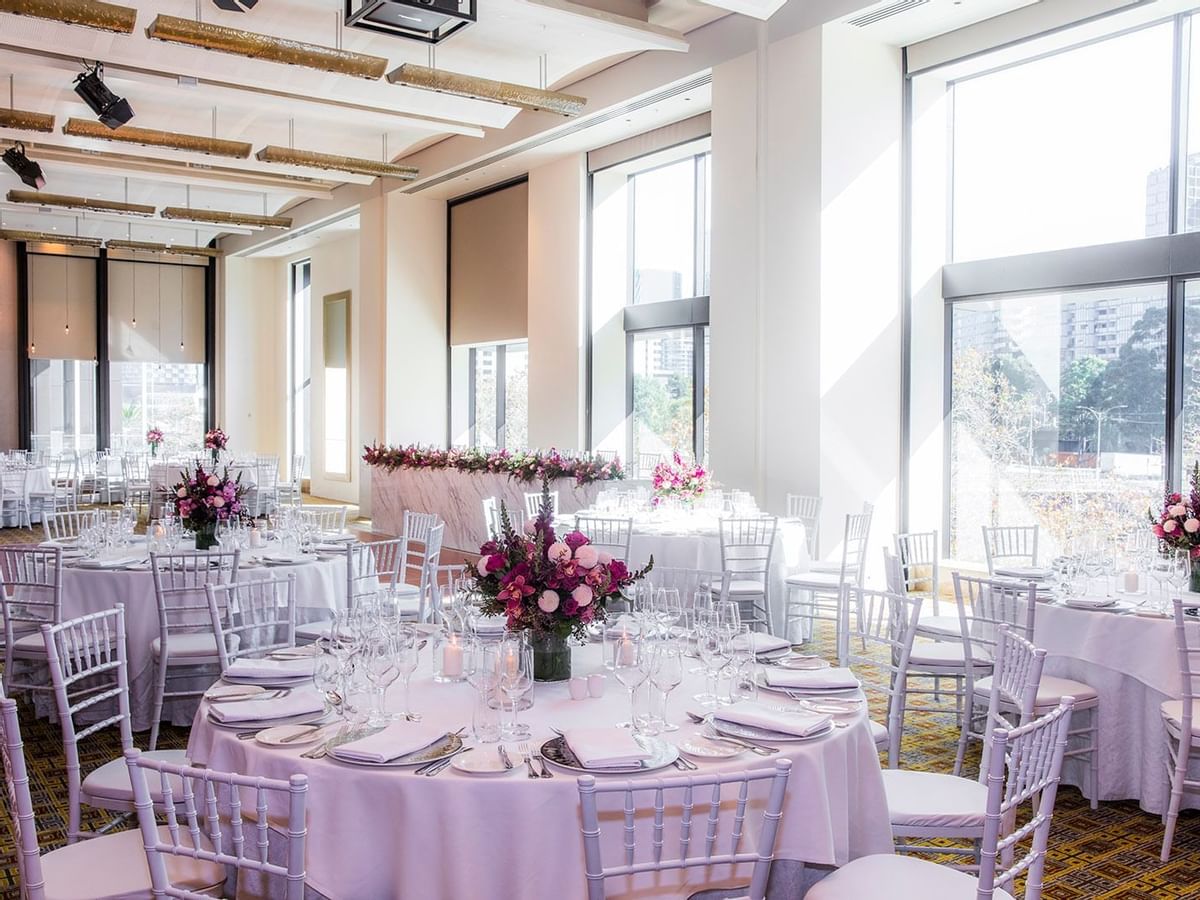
[485, 716]
[516, 681]
[667, 675]
[631, 670]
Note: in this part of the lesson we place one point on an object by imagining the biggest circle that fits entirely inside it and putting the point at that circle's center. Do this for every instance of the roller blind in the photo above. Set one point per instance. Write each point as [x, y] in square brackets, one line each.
[650, 142]
[167, 302]
[489, 267]
[62, 293]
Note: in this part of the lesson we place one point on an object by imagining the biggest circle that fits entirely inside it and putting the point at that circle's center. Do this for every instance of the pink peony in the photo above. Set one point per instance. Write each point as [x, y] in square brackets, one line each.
[1177, 510]
[1170, 525]
[218, 501]
[1191, 526]
[583, 595]
[482, 565]
[548, 602]
[604, 557]
[213, 480]
[558, 552]
[587, 556]
[1158, 531]
[530, 526]
[182, 492]
[575, 539]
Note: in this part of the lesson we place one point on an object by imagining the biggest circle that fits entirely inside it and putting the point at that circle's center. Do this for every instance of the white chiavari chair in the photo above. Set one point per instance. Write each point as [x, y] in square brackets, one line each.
[63, 487]
[920, 555]
[1009, 545]
[881, 639]
[1024, 762]
[1181, 725]
[612, 535]
[806, 510]
[533, 504]
[606, 455]
[265, 494]
[88, 661]
[199, 794]
[371, 566]
[112, 866]
[135, 471]
[186, 640]
[252, 618]
[678, 798]
[31, 596]
[68, 524]
[326, 519]
[834, 566]
[646, 463]
[690, 582]
[14, 496]
[421, 560]
[85, 476]
[747, 545]
[821, 594]
[491, 516]
[291, 491]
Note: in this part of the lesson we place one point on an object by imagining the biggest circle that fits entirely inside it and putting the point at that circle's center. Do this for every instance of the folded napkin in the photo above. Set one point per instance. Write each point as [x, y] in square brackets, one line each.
[605, 748]
[762, 643]
[114, 562]
[297, 703]
[271, 668]
[398, 739]
[489, 624]
[798, 722]
[833, 678]
[1029, 573]
[1091, 602]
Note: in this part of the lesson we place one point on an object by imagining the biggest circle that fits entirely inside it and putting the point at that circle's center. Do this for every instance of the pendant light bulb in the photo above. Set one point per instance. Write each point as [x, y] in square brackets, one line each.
[33, 349]
[66, 329]
[134, 322]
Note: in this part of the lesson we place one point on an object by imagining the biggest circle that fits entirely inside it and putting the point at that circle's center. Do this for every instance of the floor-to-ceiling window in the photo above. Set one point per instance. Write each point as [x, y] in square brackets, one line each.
[299, 365]
[498, 396]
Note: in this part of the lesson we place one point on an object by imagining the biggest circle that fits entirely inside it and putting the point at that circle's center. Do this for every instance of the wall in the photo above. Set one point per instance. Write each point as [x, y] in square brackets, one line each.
[10, 435]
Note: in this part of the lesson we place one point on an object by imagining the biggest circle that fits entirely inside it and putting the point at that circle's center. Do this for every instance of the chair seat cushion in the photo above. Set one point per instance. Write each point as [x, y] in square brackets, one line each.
[898, 878]
[745, 586]
[934, 800]
[940, 625]
[111, 781]
[30, 646]
[113, 867]
[879, 733]
[821, 566]
[940, 653]
[1051, 690]
[199, 644]
[1172, 711]
[818, 580]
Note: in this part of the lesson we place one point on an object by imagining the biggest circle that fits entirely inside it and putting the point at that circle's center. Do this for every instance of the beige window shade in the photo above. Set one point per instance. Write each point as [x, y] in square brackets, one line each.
[650, 142]
[62, 291]
[489, 267]
[168, 303]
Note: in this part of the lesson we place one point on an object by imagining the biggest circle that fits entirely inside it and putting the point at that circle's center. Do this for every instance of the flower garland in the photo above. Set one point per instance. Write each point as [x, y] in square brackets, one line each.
[523, 465]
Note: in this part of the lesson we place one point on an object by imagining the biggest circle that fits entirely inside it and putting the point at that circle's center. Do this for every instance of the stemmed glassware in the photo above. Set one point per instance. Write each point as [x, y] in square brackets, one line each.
[380, 661]
[666, 675]
[516, 680]
[713, 645]
[408, 652]
[631, 671]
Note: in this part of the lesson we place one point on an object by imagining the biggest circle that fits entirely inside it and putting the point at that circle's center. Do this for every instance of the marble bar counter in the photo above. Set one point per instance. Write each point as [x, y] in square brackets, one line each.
[458, 498]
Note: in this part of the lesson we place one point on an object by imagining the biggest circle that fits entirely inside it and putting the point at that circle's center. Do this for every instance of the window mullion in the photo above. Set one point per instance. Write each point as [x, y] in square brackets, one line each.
[500, 378]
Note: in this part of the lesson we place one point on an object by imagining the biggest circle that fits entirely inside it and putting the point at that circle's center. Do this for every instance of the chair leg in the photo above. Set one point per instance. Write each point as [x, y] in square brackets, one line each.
[965, 732]
[1172, 815]
[1094, 757]
[160, 689]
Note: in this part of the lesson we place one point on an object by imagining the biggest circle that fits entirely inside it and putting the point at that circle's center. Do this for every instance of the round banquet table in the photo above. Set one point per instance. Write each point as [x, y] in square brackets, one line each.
[320, 588]
[379, 833]
[1132, 663]
[36, 480]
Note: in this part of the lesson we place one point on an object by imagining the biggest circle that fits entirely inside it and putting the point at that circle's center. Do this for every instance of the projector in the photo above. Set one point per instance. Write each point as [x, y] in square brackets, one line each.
[429, 21]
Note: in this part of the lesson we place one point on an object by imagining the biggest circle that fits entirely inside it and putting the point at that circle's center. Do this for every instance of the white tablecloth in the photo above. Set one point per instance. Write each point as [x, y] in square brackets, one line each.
[383, 833]
[36, 480]
[320, 587]
[1132, 663]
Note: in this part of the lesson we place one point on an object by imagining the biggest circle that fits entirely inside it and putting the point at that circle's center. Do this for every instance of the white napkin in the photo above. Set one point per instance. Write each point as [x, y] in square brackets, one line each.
[490, 624]
[762, 643]
[800, 723]
[1027, 573]
[398, 739]
[604, 748]
[297, 703]
[115, 562]
[833, 678]
[270, 668]
[1091, 602]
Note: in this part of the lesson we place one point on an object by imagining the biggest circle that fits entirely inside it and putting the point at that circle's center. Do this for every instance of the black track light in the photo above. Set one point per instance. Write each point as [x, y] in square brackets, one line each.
[110, 109]
[27, 170]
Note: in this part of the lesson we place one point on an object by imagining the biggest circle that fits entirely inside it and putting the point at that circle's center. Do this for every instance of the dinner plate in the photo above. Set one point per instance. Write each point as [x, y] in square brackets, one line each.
[802, 663]
[485, 762]
[286, 560]
[219, 691]
[252, 724]
[700, 747]
[832, 707]
[805, 691]
[303, 652]
[446, 745]
[749, 732]
[286, 736]
[292, 681]
[662, 755]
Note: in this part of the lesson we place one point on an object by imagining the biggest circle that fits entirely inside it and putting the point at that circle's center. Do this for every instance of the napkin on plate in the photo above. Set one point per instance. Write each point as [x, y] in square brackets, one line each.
[114, 562]
[297, 703]
[799, 722]
[398, 739]
[1091, 602]
[1026, 573]
[605, 748]
[833, 678]
[270, 668]
[762, 643]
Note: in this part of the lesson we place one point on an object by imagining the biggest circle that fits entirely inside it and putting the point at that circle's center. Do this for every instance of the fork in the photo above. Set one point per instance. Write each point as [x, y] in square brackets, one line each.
[523, 749]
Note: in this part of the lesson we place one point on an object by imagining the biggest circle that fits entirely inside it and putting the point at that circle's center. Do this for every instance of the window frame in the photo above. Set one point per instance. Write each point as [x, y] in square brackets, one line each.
[292, 364]
[500, 375]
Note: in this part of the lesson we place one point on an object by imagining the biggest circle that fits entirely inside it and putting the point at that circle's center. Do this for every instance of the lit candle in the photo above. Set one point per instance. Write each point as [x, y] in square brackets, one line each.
[626, 653]
[159, 532]
[452, 658]
[1130, 582]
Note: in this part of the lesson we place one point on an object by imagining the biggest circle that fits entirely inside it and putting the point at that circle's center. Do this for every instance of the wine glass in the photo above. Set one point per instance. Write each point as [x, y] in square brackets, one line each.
[380, 657]
[713, 645]
[728, 613]
[516, 680]
[667, 675]
[631, 672]
[408, 652]
[669, 609]
[328, 677]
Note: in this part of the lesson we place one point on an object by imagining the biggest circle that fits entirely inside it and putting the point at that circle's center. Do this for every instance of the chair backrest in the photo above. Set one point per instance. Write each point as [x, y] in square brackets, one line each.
[1023, 762]
[892, 572]
[689, 581]
[67, 523]
[331, 519]
[20, 800]
[372, 566]
[678, 797]
[533, 504]
[747, 544]
[881, 634]
[919, 556]
[646, 463]
[806, 510]
[430, 555]
[992, 604]
[417, 525]
[1010, 543]
[1015, 679]
[854, 545]
[612, 535]
[180, 580]
[204, 792]
[491, 516]
[252, 618]
[135, 467]
[605, 455]
[448, 576]
[32, 589]
[1189, 661]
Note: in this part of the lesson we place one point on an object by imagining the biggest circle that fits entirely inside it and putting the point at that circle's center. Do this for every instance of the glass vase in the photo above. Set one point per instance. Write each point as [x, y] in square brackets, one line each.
[1194, 580]
[206, 535]
[551, 658]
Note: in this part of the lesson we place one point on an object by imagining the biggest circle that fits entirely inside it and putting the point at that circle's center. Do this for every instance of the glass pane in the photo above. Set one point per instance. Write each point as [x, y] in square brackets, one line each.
[484, 378]
[301, 356]
[169, 397]
[707, 381]
[664, 232]
[1191, 376]
[64, 404]
[1065, 151]
[516, 396]
[1057, 414]
[662, 392]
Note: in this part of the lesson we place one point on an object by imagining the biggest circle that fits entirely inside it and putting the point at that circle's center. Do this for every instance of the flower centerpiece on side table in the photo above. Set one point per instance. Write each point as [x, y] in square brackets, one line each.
[680, 481]
[553, 589]
[1177, 527]
[202, 500]
[215, 441]
[154, 437]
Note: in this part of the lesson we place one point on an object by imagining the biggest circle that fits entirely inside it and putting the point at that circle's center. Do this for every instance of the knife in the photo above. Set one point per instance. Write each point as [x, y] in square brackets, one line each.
[504, 756]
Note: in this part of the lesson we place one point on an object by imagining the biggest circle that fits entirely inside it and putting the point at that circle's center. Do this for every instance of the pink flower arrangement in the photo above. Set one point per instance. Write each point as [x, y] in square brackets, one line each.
[546, 585]
[679, 480]
[204, 498]
[1177, 527]
[154, 437]
[524, 466]
[215, 439]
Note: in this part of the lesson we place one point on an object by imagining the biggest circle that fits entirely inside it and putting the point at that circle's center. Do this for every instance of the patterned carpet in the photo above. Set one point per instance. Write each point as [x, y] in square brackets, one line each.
[1111, 852]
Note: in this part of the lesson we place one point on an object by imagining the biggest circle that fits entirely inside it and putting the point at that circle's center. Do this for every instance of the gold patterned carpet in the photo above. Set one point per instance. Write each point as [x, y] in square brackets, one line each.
[1111, 852]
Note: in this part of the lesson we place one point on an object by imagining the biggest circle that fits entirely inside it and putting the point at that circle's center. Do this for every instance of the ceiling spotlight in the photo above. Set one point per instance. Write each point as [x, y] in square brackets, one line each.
[430, 21]
[27, 170]
[110, 109]
[236, 5]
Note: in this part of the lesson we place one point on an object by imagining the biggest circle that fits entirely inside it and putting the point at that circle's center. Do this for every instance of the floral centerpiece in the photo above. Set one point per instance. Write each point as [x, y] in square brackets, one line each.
[525, 466]
[679, 480]
[551, 588]
[202, 499]
[154, 437]
[214, 441]
[1177, 526]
